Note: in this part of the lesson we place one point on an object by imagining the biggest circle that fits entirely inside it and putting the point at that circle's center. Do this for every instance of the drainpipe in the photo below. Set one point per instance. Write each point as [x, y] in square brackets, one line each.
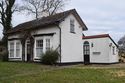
[60, 39]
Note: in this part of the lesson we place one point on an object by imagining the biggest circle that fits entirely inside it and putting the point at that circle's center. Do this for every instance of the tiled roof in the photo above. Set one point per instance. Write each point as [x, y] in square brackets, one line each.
[99, 36]
[45, 21]
[96, 36]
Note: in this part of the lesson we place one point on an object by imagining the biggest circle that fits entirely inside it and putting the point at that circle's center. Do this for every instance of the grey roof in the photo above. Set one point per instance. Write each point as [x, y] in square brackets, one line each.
[45, 21]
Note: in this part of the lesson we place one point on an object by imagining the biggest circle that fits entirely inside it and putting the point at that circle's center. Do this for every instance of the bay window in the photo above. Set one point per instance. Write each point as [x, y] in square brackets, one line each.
[14, 49]
[42, 44]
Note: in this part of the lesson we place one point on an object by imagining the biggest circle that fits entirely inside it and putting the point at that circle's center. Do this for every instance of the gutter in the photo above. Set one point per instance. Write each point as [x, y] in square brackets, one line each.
[60, 39]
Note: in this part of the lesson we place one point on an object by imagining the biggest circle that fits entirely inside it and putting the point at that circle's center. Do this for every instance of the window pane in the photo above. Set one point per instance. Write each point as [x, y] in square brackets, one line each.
[39, 52]
[17, 53]
[12, 49]
[17, 49]
[39, 43]
[72, 25]
[86, 48]
[12, 45]
[12, 53]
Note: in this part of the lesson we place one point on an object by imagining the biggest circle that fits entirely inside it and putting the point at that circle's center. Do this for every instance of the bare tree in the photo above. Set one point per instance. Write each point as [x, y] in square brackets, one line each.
[121, 44]
[7, 8]
[41, 7]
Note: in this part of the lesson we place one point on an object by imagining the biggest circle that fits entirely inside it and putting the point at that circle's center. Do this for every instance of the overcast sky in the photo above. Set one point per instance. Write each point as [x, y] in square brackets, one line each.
[100, 16]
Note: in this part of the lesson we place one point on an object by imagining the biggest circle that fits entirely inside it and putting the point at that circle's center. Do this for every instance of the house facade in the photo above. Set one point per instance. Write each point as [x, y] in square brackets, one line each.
[100, 49]
[62, 32]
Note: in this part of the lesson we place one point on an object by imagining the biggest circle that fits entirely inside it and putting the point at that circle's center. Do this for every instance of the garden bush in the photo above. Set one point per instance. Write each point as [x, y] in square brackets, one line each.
[4, 56]
[50, 57]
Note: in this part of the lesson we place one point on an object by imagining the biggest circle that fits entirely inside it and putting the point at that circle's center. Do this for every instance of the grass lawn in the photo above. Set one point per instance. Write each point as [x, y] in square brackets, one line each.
[11, 72]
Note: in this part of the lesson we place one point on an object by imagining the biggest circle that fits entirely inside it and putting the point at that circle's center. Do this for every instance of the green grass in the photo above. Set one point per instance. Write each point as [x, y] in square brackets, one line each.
[11, 72]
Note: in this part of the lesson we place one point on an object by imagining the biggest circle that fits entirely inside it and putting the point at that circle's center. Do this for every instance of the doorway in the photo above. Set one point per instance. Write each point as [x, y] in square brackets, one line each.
[28, 51]
[86, 50]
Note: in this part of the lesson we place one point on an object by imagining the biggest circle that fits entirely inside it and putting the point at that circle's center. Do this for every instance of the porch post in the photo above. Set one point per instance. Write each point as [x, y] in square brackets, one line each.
[23, 51]
[32, 47]
[23, 48]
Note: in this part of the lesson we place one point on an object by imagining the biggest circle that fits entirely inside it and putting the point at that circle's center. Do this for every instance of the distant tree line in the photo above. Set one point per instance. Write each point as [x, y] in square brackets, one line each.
[121, 44]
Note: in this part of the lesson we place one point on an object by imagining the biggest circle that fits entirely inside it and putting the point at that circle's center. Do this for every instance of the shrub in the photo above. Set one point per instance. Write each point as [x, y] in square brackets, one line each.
[0, 57]
[4, 56]
[121, 57]
[50, 57]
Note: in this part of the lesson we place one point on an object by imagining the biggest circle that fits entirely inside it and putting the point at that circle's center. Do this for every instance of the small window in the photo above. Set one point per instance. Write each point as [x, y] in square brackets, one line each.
[11, 49]
[72, 25]
[47, 44]
[39, 48]
[96, 53]
[113, 50]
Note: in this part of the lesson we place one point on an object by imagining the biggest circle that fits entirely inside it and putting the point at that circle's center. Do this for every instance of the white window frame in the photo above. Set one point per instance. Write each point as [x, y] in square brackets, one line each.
[39, 47]
[35, 54]
[113, 50]
[20, 48]
[72, 26]
[44, 44]
[10, 49]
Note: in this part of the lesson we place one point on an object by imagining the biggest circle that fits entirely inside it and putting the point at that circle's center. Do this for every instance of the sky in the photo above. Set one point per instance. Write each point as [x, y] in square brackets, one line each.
[100, 16]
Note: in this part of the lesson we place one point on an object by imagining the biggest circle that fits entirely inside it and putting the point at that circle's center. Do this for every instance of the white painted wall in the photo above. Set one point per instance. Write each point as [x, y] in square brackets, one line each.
[113, 57]
[46, 30]
[72, 50]
[54, 40]
[72, 44]
[13, 36]
[101, 45]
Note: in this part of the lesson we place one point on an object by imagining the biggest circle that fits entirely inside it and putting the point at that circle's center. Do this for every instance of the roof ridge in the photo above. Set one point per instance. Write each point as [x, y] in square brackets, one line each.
[46, 17]
[45, 21]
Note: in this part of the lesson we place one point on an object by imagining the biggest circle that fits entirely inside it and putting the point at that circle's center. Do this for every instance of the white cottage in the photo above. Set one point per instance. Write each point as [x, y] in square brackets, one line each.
[62, 32]
[100, 49]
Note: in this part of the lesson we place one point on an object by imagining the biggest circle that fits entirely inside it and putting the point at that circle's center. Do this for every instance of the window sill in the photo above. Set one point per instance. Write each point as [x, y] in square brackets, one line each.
[14, 57]
[37, 57]
[73, 32]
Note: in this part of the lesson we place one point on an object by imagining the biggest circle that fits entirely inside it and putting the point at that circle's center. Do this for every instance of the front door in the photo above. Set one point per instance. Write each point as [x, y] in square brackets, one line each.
[86, 48]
